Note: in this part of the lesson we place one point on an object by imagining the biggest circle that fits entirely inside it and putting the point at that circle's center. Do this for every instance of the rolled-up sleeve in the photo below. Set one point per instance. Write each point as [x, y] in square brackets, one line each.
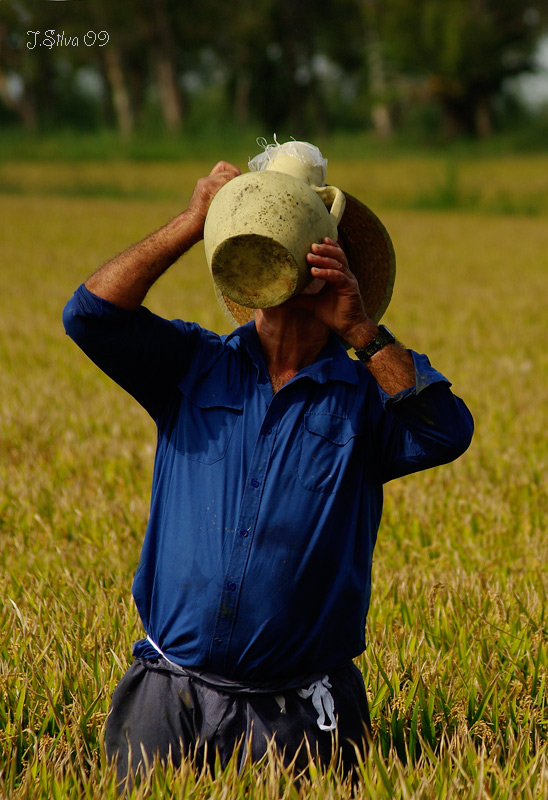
[142, 352]
[423, 426]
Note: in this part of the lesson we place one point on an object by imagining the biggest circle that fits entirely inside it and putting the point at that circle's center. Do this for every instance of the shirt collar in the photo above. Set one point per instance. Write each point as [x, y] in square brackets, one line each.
[332, 363]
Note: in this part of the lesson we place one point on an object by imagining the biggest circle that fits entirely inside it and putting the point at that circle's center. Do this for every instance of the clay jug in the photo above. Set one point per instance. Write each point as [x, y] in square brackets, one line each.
[260, 226]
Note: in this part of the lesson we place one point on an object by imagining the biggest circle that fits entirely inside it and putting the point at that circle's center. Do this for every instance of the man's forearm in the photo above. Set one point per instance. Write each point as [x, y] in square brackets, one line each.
[126, 279]
[392, 366]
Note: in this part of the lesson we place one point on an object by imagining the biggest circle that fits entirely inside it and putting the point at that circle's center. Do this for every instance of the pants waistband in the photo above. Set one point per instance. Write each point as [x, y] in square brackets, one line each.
[314, 686]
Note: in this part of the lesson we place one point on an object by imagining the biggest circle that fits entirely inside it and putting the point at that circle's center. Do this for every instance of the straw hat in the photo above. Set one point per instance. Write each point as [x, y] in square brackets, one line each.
[362, 236]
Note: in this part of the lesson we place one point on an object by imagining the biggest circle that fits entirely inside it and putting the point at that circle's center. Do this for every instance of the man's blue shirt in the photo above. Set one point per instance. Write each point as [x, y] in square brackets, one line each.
[256, 563]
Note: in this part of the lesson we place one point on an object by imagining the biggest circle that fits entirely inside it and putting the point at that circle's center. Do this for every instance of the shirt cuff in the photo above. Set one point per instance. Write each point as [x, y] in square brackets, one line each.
[91, 305]
[425, 375]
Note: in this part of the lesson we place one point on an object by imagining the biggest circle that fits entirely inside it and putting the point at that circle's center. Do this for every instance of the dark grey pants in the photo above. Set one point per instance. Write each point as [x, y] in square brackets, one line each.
[157, 709]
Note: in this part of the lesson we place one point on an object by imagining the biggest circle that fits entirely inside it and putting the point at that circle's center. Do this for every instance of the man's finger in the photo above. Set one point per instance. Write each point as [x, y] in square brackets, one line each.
[330, 274]
[331, 250]
[225, 166]
[328, 261]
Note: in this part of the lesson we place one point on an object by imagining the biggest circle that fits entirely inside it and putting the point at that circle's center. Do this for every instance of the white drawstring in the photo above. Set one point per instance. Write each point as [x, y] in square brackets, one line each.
[322, 701]
[280, 699]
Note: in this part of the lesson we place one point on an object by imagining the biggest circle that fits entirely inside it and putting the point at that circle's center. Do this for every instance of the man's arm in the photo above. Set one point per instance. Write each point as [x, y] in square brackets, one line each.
[126, 279]
[143, 353]
[339, 306]
[428, 425]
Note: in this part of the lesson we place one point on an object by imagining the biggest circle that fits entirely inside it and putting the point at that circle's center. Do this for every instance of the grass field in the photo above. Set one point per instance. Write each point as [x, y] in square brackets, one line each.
[457, 661]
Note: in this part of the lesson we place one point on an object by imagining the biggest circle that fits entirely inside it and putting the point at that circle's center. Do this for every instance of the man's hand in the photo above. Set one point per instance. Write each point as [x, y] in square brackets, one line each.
[338, 305]
[204, 192]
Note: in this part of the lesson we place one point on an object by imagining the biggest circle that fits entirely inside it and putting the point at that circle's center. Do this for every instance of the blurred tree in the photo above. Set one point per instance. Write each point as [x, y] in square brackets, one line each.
[304, 39]
[27, 70]
[238, 33]
[464, 50]
[139, 61]
[290, 66]
[376, 65]
[14, 91]
[123, 61]
[162, 43]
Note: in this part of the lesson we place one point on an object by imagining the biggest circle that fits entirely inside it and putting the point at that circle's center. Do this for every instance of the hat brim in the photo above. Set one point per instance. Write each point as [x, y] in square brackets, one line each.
[371, 258]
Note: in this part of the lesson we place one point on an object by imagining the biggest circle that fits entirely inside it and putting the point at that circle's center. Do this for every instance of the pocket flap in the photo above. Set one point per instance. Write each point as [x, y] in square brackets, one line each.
[333, 427]
[211, 393]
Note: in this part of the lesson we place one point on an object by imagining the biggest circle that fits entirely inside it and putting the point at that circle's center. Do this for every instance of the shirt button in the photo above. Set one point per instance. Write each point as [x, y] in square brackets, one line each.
[231, 587]
[244, 533]
[255, 483]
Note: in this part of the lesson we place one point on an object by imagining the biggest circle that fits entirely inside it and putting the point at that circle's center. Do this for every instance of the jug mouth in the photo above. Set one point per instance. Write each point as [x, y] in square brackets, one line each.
[266, 276]
[308, 173]
[301, 159]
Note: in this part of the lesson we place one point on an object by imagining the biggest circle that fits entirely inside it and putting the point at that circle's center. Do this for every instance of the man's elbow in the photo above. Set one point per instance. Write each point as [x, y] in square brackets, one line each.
[72, 321]
[460, 433]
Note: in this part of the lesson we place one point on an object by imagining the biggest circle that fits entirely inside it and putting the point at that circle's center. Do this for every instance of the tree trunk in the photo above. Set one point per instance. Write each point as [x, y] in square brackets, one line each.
[482, 118]
[168, 91]
[22, 106]
[242, 92]
[380, 112]
[378, 81]
[121, 100]
[163, 53]
[454, 124]
[382, 121]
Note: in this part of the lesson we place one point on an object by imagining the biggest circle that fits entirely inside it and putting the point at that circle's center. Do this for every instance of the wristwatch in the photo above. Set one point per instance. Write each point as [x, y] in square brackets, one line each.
[383, 337]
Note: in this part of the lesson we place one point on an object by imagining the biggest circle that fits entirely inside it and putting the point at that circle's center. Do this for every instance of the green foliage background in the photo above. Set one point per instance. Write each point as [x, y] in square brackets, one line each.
[456, 665]
[431, 69]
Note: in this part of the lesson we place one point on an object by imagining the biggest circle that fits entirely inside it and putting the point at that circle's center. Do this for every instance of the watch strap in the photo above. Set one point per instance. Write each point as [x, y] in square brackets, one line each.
[383, 337]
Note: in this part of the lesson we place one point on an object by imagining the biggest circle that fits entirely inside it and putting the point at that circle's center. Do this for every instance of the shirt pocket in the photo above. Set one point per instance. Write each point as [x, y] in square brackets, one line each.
[206, 423]
[328, 450]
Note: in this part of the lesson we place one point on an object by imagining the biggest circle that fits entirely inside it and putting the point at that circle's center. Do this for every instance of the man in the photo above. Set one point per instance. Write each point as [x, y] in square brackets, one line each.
[273, 445]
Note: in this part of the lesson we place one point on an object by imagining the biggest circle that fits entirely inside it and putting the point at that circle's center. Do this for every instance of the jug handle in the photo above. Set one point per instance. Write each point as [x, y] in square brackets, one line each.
[333, 196]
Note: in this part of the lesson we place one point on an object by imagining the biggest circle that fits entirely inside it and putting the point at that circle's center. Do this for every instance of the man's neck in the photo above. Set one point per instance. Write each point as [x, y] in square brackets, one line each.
[291, 339]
